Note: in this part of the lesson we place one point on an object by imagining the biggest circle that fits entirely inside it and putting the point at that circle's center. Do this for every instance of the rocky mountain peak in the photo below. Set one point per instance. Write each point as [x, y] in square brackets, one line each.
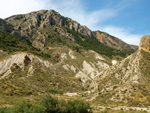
[24, 24]
[145, 44]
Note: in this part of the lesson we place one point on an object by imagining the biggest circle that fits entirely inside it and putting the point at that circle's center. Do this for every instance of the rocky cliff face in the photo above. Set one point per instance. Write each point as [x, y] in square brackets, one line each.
[73, 25]
[43, 18]
[145, 43]
[114, 42]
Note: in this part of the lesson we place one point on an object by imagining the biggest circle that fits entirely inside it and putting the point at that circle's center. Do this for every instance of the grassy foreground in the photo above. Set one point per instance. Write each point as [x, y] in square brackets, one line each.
[49, 105]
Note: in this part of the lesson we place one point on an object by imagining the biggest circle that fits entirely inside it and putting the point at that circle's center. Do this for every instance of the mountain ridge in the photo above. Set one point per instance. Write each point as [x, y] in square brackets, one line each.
[43, 18]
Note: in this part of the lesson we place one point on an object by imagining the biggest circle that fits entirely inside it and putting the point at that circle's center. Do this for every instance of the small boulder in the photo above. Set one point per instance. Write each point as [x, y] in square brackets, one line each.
[14, 67]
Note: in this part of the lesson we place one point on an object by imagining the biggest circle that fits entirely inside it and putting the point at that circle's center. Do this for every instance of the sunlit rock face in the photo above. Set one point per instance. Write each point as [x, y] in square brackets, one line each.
[145, 44]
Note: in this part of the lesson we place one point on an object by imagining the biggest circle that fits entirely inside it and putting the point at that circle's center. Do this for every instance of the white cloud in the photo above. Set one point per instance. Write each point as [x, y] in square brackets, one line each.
[70, 8]
[12, 7]
[123, 34]
[74, 9]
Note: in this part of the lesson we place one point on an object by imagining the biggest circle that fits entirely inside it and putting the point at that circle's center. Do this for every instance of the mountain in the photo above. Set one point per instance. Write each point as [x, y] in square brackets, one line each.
[41, 19]
[37, 60]
[27, 74]
[25, 25]
[44, 53]
[48, 29]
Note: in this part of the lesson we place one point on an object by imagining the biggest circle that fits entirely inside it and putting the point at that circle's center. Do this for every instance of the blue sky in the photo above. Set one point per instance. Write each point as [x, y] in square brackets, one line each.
[125, 19]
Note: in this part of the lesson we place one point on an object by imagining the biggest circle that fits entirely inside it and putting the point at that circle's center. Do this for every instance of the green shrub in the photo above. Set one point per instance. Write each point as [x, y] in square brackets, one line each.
[38, 109]
[53, 91]
[77, 107]
[49, 105]
[3, 110]
[24, 107]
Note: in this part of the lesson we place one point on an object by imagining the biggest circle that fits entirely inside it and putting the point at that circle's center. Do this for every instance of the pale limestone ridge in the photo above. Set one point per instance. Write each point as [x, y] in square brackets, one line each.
[85, 70]
[5, 65]
[126, 79]
[127, 71]
[20, 60]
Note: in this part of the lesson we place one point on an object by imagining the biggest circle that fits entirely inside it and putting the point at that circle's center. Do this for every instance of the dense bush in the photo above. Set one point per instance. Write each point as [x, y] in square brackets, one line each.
[24, 107]
[49, 105]
[77, 107]
[53, 91]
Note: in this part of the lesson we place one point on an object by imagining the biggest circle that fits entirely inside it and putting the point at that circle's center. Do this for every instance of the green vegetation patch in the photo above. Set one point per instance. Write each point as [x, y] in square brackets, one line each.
[92, 44]
[145, 64]
[10, 44]
[49, 105]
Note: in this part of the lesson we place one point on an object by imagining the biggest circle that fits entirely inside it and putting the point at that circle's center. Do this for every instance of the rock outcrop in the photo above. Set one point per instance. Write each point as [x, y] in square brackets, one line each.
[73, 25]
[127, 71]
[114, 42]
[20, 60]
[145, 44]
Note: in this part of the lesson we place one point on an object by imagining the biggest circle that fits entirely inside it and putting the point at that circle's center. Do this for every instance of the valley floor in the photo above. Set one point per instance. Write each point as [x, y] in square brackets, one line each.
[95, 108]
[122, 109]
